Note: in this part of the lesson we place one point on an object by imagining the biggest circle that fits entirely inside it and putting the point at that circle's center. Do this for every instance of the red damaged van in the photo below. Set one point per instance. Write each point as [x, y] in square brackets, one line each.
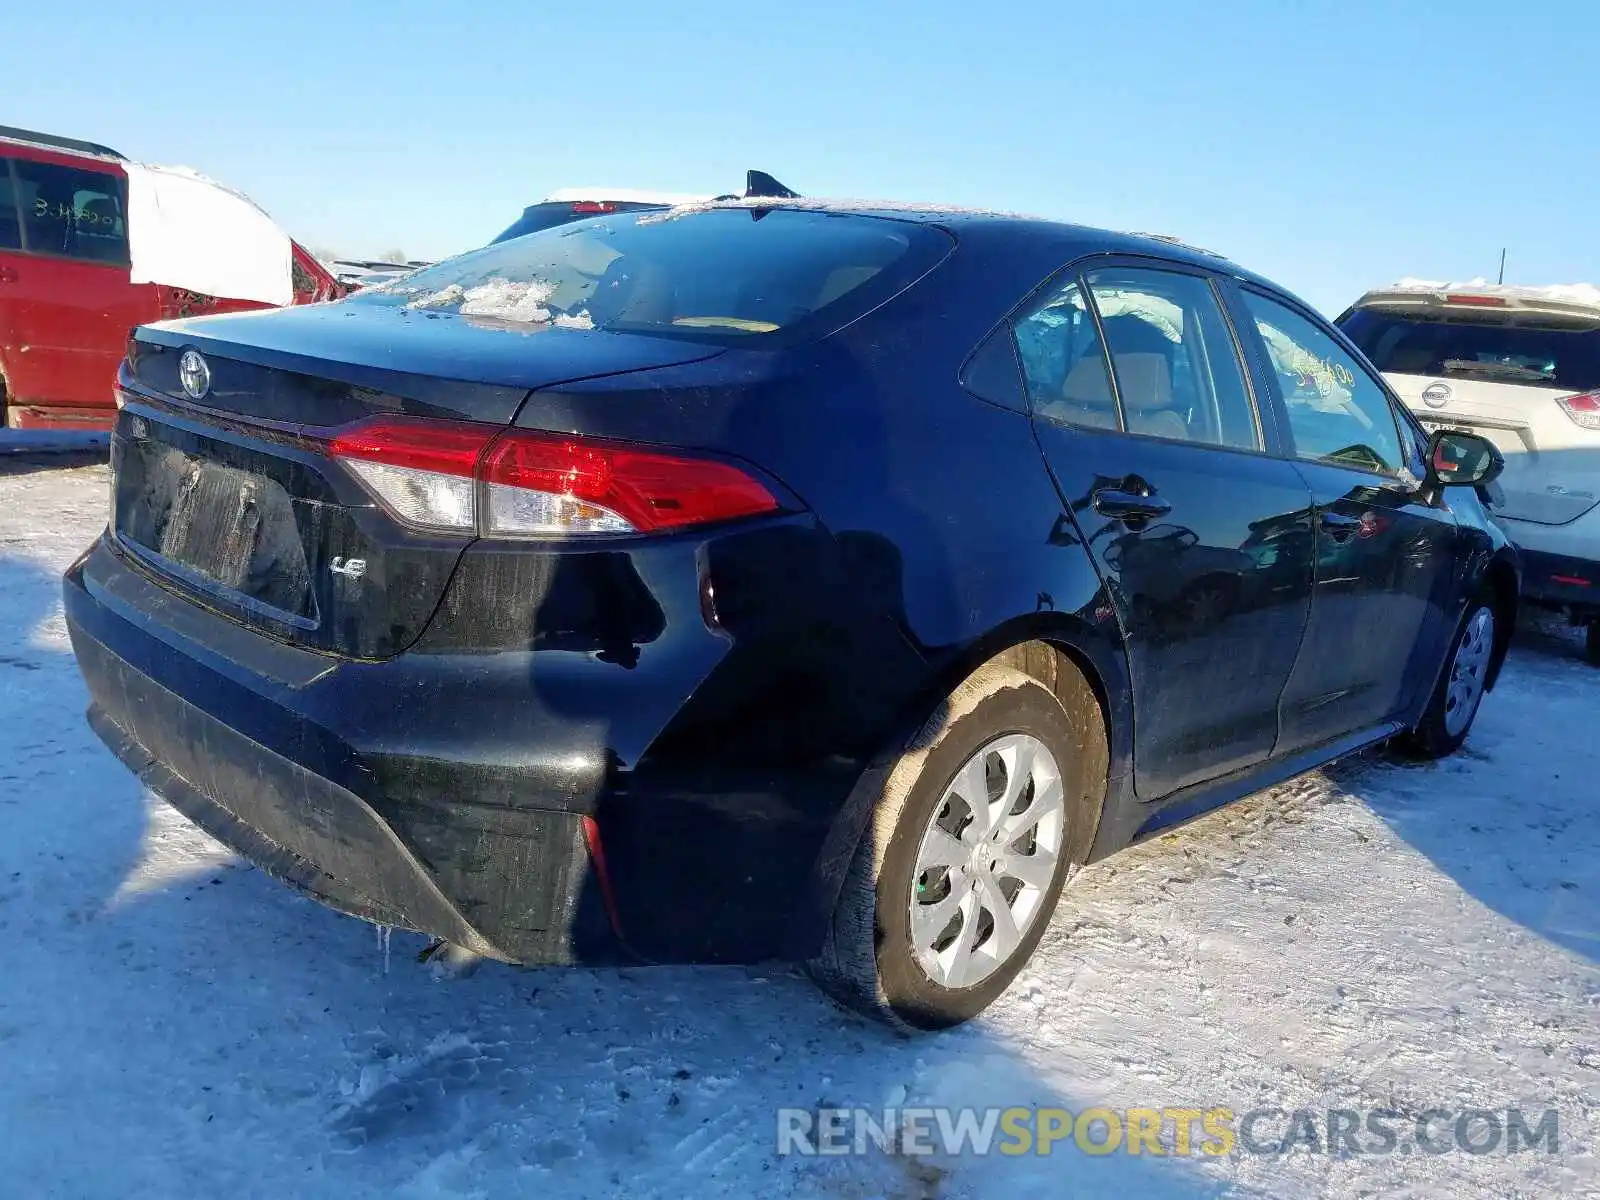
[67, 300]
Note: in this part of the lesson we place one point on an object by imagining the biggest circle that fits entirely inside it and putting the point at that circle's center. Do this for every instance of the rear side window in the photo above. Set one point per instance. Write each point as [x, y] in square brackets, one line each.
[1064, 362]
[1177, 367]
[71, 212]
[724, 275]
[10, 217]
[1337, 412]
[1479, 346]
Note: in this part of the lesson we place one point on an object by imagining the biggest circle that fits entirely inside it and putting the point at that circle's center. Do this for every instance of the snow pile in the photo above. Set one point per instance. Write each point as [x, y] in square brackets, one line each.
[503, 300]
[187, 231]
[1569, 293]
[442, 298]
[509, 300]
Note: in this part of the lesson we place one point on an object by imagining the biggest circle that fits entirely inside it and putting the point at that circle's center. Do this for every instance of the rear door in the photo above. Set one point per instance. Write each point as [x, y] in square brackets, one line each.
[1202, 534]
[1385, 558]
[71, 305]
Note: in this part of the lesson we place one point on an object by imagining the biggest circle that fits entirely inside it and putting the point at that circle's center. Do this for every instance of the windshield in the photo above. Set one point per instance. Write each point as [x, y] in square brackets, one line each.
[721, 275]
[1473, 346]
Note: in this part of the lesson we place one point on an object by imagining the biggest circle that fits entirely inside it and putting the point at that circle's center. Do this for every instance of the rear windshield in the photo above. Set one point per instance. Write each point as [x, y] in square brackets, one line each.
[1478, 346]
[723, 275]
[537, 217]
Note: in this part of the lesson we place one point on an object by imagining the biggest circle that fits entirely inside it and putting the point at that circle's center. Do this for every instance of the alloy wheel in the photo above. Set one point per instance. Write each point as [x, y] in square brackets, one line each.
[1469, 673]
[987, 860]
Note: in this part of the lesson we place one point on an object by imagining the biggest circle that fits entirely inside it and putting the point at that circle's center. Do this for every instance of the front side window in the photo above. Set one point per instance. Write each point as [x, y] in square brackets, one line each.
[1176, 364]
[1337, 412]
[71, 212]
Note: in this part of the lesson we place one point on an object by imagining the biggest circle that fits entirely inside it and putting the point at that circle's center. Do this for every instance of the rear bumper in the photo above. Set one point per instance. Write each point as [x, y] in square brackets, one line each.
[1560, 563]
[280, 781]
[1560, 579]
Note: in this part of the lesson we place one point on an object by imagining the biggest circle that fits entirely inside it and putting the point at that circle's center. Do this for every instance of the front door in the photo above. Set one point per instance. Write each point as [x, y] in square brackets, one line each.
[1384, 557]
[1203, 537]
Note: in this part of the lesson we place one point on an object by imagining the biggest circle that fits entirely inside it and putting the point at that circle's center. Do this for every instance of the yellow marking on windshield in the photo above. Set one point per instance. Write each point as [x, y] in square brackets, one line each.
[739, 323]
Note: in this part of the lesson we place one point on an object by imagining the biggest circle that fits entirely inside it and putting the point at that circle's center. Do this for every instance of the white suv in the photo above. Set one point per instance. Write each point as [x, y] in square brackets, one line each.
[1521, 366]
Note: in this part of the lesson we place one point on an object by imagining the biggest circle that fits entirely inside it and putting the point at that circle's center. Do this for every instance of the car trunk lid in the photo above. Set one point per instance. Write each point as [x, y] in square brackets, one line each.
[231, 497]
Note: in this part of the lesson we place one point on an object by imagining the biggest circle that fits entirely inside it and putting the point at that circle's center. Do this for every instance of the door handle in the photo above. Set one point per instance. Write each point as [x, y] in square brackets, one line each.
[1340, 527]
[1121, 505]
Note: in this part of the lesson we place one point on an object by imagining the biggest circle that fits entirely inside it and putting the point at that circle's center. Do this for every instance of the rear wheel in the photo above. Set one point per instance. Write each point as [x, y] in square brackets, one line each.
[1455, 702]
[977, 826]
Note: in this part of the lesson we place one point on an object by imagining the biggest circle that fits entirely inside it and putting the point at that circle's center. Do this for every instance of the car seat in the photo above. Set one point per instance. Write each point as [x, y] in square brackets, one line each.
[1146, 383]
[1142, 356]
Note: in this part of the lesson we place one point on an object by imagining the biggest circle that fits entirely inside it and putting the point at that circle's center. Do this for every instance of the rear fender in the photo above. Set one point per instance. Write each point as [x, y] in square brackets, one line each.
[1034, 644]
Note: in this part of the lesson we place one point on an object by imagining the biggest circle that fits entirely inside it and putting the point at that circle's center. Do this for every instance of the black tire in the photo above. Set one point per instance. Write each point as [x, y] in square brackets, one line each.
[1591, 643]
[1432, 738]
[867, 961]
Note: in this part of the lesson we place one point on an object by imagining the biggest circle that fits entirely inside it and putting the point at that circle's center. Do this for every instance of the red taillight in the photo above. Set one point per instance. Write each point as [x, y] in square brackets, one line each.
[648, 490]
[593, 206]
[1475, 301]
[523, 483]
[453, 449]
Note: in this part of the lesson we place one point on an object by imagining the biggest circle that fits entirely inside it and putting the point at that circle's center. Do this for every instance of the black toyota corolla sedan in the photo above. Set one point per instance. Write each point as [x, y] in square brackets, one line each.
[771, 579]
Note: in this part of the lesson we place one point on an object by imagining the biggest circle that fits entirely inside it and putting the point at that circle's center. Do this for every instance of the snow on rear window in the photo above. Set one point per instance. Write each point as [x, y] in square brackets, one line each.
[735, 275]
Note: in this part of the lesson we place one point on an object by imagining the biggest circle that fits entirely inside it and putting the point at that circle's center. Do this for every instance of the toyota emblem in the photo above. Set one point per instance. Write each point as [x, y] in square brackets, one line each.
[194, 375]
[1436, 395]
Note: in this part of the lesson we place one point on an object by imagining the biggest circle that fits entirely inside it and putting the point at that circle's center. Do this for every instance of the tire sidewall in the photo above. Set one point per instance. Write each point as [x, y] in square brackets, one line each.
[1028, 708]
[1431, 738]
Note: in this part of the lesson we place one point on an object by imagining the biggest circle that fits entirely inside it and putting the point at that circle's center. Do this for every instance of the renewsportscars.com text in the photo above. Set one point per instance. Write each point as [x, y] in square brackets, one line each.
[1176, 1132]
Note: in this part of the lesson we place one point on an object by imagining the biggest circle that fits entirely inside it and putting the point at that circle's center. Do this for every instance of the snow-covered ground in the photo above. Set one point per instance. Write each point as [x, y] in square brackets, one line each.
[173, 1023]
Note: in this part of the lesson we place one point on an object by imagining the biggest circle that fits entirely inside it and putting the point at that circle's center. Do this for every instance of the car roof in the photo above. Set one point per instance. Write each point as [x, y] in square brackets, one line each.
[50, 141]
[622, 195]
[1062, 239]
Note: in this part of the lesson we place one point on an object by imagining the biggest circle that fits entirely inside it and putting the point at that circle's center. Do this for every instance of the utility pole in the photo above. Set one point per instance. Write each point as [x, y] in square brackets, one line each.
[1502, 265]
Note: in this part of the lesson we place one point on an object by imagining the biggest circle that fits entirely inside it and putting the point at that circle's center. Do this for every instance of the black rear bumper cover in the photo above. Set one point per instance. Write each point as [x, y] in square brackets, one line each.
[517, 886]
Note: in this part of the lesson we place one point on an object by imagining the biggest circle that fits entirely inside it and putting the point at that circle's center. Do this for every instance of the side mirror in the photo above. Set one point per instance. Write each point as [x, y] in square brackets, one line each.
[1457, 459]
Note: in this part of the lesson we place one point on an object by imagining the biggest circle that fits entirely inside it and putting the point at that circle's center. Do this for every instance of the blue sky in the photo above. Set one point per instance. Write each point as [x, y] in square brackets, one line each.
[1330, 146]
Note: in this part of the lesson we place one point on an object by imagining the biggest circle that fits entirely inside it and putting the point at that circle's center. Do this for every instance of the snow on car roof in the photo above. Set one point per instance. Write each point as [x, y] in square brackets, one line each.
[828, 204]
[1561, 293]
[841, 204]
[623, 196]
